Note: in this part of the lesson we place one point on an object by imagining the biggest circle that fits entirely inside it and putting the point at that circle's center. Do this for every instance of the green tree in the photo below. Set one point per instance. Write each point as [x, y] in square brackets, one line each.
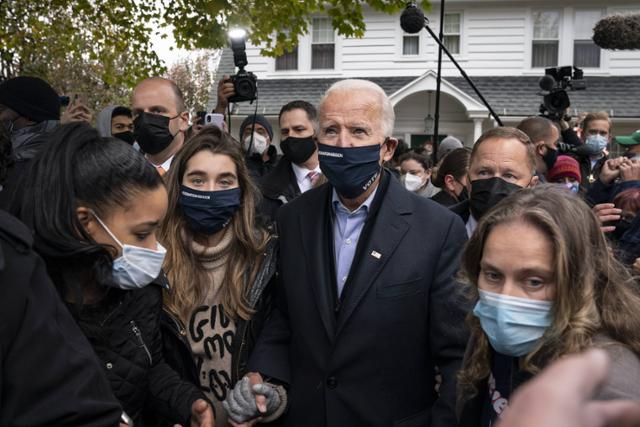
[276, 24]
[103, 47]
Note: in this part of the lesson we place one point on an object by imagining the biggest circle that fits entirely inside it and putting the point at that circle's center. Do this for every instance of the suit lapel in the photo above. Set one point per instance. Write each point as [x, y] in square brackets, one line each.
[388, 230]
[316, 243]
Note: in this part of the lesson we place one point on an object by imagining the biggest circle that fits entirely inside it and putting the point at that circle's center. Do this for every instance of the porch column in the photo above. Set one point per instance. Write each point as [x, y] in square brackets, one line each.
[477, 129]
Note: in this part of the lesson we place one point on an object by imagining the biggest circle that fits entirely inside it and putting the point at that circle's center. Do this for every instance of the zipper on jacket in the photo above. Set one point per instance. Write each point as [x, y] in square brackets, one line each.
[138, 335]
[242, 344]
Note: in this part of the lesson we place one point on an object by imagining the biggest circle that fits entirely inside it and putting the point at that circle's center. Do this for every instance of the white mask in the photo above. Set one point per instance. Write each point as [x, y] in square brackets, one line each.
[260, 143]
[412, 182]
[137, 267]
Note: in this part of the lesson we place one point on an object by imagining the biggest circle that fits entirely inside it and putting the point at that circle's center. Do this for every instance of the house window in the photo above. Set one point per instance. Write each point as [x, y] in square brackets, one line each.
[288, 60]
[322, 44]
[451, 32]
[546, 31]
[410, 44]
[585, 52]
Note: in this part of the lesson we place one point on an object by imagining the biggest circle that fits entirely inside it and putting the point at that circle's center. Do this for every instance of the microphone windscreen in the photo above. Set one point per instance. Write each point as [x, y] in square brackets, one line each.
[412, 19]
[618, 32]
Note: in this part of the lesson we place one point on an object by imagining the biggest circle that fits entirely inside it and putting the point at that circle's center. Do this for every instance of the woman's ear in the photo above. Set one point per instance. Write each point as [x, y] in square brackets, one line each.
[87, 219]
[449, 183]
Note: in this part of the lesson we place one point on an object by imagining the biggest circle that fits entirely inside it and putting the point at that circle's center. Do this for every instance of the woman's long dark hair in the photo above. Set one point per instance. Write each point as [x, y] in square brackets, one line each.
[77, 167]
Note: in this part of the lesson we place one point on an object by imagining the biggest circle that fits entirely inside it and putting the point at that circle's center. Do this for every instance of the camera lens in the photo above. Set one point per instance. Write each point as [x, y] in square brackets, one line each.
[245, 87]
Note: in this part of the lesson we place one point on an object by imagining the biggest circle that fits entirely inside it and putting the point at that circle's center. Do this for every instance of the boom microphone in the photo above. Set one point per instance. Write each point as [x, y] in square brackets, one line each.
[412, 19]
[618, 32]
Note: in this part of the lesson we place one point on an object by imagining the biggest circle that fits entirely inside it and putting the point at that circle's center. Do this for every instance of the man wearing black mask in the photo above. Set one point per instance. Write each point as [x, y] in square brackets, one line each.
[503, 160]
[367, 306]
[299, 169]
[116, 122]
[160, 120]
[545, 136]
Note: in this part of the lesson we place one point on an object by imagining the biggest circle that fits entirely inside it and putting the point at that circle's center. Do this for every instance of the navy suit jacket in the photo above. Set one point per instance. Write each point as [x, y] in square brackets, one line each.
[372, 362]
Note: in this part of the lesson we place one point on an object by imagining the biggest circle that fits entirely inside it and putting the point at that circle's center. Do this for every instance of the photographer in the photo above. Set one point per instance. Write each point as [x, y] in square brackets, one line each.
[256, 134]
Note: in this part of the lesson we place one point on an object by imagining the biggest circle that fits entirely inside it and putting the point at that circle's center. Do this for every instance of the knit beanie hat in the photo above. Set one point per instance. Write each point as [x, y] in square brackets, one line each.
[260, 120]
[30, 97]
[564, 167]
[447, 145]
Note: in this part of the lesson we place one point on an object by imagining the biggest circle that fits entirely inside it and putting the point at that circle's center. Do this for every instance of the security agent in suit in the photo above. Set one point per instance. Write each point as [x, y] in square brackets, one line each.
[367, 306]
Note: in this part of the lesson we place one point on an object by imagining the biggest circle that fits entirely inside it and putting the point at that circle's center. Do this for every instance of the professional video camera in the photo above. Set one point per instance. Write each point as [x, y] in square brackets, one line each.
[245, 83]
[554, 85]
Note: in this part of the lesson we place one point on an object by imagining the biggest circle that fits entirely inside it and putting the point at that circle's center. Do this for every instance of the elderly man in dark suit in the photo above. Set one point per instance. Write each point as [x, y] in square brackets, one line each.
[367, 309]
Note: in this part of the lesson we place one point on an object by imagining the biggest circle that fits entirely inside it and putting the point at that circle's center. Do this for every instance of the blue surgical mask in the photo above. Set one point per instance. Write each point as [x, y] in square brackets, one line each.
[136, 267]
[574, 187]
[351, 170]
[208, 212]
[512, 325]
[598, 142]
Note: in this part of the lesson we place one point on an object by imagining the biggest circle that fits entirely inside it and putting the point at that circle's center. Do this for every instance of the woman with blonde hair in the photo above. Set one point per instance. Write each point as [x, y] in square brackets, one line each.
[546, 285]
[219, 262]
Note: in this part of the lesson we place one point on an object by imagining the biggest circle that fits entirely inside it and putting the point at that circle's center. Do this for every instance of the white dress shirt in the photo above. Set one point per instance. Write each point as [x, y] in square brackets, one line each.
[302, 176]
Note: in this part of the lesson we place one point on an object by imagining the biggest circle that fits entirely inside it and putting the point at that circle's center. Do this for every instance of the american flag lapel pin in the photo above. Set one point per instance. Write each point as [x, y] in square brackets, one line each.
[376, 254]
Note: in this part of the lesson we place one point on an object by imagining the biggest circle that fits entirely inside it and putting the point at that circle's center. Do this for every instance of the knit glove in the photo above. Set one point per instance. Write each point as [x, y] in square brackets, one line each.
[241, 401]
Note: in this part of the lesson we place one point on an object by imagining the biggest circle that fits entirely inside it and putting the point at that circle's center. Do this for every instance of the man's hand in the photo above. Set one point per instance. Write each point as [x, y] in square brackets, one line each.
[250, 400]
[76, 112]
[561, 397]
[225, 91]
[630, 170]
[607, 212]
[201, 414]
[611, 170]
[636, 266]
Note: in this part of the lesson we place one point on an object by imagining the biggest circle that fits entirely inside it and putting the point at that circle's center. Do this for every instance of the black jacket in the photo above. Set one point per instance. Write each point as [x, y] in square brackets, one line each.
[49, 373]
[445, 199]
[589, 174]
[369, 359]
[127, 339]
[278, 187]
[176, 346]
[259, 168]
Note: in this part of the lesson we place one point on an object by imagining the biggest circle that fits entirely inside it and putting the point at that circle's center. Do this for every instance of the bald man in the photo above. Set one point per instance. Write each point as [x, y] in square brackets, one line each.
[160, 120]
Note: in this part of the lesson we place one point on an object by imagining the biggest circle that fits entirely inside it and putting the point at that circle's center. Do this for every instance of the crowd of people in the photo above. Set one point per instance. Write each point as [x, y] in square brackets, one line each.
[157, 271]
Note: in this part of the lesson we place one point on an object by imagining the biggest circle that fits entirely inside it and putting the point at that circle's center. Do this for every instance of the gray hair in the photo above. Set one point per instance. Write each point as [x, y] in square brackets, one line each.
[388, 115]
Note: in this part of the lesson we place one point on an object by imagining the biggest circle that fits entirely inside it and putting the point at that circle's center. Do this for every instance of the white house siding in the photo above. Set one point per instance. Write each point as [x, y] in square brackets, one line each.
[496, 40]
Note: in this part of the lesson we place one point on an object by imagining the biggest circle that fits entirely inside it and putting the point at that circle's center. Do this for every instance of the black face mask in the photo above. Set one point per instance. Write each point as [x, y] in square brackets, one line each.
[152, 132]
[351, 170]
[127, 137]
[486, 193]
[298, 150]
[550, 158]
[464, 194]
[207, 212]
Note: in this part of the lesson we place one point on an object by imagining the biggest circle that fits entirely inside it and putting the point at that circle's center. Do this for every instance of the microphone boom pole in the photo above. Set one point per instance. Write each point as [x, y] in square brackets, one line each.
[466, 77]
[438, 80]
